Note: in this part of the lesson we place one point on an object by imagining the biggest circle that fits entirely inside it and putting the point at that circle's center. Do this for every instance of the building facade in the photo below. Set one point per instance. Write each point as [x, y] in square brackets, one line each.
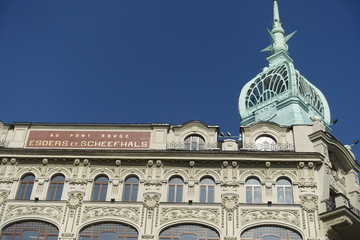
[286, 178]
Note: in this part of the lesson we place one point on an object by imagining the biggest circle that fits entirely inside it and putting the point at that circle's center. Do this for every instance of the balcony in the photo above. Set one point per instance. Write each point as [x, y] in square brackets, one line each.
[341, 219]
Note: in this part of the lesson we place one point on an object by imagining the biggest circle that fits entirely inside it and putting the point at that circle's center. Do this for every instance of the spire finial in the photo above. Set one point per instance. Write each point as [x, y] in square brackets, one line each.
[277, 33]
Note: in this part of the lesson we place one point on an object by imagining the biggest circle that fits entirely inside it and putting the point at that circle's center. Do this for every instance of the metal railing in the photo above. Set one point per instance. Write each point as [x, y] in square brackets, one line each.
[199, 147]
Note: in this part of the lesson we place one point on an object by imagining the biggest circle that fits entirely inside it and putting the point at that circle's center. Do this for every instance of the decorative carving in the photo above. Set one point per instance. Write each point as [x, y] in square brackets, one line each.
[13, 161]
[309, 203]
[209, 214]
[75, 200]
[76, 162]
[3, 197]
[53, 212]
[67, 235]
[225, 163]
[230, 238]
[229, 203]
[234, 163]
[151, 202]
[4, 161]
[147, 236]
[130, 213]
[252, 215]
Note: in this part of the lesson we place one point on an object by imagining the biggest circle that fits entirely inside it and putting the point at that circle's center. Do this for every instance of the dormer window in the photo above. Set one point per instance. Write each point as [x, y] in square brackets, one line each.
[265, 143]
[194, 142]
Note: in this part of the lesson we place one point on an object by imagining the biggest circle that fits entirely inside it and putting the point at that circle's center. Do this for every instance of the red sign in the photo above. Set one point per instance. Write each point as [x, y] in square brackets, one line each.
[88, 139]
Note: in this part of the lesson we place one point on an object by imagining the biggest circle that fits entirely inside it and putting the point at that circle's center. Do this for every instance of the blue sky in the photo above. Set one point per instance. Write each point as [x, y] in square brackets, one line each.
[141, 61]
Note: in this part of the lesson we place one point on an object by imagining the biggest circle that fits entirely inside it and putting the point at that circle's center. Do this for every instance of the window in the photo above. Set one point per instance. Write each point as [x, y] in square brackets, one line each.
[26, 186]
[270, 233]
[131, 189]
[265, 143]
[207, 188]
[100, 188]
[253, 194]
[189, 232]
[30, 230]
[284, 191]
[56, 187]
[109, 231]
[176, 185]
[194, 142]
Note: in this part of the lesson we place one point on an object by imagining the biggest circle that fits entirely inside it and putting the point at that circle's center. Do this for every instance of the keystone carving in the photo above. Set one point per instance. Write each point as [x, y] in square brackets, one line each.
[151, 202]
[147, 236]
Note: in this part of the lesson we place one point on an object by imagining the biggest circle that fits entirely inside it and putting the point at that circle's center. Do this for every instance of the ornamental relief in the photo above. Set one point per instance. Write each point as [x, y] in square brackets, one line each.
[130, 213]
[309, 203]
[253, 215]
[170, 214]
[229, 203]
[46, 211]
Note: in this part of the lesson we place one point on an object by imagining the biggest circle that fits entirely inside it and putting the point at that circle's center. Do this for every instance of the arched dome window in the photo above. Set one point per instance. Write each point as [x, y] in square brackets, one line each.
[56, 187]
[189, 232]
[100, 188]
[270, 233]
[207, 190]
[265, 143]
[253, 193]
[176, 185]
[284, 191]
[25, 187]
[109, 231]
[30, 230]
[131, 189]
[194, 142]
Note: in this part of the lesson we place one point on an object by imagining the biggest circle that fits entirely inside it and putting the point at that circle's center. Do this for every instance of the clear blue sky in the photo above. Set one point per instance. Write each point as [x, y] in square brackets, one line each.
[135, 61]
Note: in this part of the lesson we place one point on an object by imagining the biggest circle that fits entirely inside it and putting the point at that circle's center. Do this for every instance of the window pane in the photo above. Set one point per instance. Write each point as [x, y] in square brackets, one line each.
[59, 191]
[207, 181]
[171, 193]
[103, 192]
[6, 237]
[126, 196]
[271, 238]
[179, 193]
[108, 236]
[21, 191]
[52, 238]
[280, 195]
[85, 238]
[134, 193]
[95, 194]
[257, 195]
[211, 194]
[29, 235]
[51, 191]
[202, 194]
[288, 195]
[189, 237]
[176, 180]
[28, 191]
[249, 195]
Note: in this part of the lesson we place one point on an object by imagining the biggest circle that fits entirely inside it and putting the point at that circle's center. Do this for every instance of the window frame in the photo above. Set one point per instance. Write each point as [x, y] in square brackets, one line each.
[26, 186]
[194, 142]
[133, 186]
[57, 184]
[283, 189]
[43, 228]
[176, 189]
[101, 189]
[253, 190]
[207, 187]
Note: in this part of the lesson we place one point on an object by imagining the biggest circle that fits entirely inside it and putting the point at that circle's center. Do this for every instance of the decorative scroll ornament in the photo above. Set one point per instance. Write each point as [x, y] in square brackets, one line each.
[34, 210]
[3, 198]
[208, 214]
[147, 236]
[67, 235]
[309, 203]
[229, 203]
[230, 238]
[253, 215]
[130, 213]
[151, 202]
[75, 200]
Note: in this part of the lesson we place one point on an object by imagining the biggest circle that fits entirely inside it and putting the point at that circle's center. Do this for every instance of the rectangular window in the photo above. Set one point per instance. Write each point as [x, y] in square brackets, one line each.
[257, 195]
[134, 193]
[203, 194]
[179, 193]
[171, 193]
[281, 199]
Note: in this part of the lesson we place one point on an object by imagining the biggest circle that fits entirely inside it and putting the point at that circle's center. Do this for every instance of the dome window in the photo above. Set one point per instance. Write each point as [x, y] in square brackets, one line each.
[265, 143]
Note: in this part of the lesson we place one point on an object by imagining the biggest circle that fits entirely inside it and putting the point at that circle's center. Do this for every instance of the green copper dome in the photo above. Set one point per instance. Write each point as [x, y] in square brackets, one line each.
[280, 93]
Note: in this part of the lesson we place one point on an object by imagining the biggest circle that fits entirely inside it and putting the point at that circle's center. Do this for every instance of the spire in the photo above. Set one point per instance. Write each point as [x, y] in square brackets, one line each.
[278, 34]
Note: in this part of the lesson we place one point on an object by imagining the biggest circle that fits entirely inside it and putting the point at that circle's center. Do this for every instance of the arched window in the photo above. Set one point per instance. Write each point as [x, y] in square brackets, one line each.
[270, 233]
[265, 143]
[131, 189]
[100, 188]
[189, 232]
[25, 187]
[207, 189]
[176, 185]
[284, 191]
[30, 230]
[56, 187]
[108, 231]
[253, 194]
[194, 142]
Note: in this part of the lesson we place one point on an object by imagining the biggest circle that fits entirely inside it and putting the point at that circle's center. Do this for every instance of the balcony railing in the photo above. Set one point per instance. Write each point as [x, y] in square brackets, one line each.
[331, 204]
[184, 146]
[264, 147]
